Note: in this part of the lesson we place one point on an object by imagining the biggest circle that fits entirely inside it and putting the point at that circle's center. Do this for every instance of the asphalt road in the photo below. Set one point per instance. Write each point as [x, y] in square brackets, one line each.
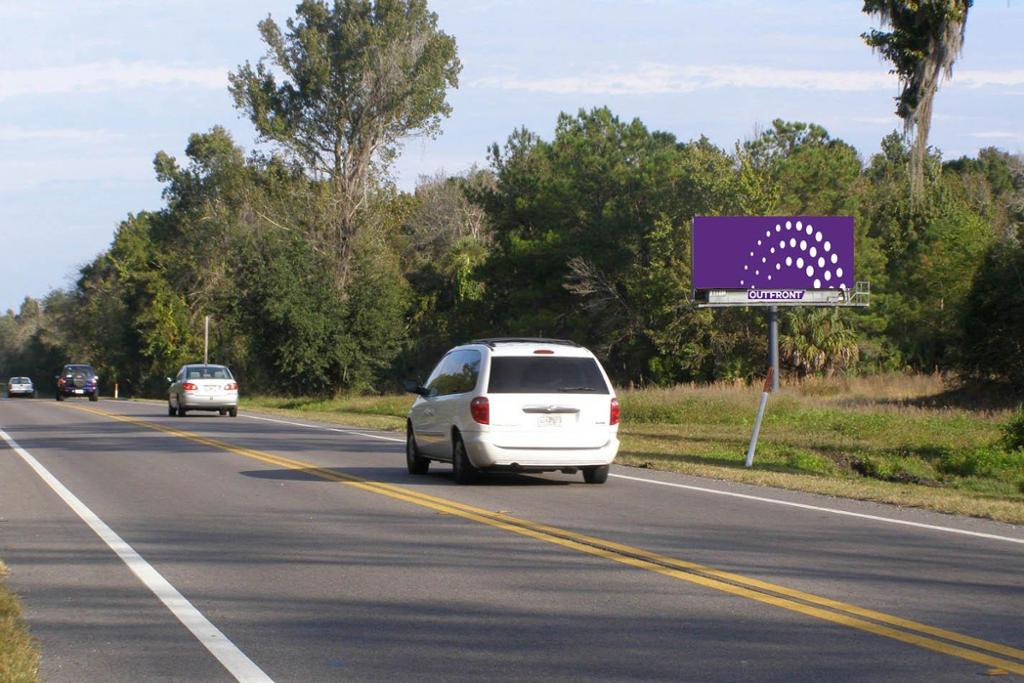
[301, 553]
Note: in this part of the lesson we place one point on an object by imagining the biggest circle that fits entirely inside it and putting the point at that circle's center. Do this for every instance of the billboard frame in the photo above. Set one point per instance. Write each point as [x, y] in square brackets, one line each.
[859, 296]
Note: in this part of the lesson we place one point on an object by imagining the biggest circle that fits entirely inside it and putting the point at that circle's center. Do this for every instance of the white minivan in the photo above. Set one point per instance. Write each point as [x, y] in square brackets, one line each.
[515, 404]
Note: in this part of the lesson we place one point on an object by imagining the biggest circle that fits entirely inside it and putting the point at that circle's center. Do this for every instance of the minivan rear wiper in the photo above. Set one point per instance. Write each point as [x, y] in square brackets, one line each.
[567, 389]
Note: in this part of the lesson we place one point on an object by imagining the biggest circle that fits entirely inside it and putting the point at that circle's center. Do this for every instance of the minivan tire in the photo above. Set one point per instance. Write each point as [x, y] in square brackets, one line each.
[595, 475]
[60, 397]
[94, 397]
[462, 468]
[415, 462]
[171, 410]
[233, 412]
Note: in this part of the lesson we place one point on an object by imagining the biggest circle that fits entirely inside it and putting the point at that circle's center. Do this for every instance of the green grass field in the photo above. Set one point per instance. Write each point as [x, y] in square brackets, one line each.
[900, 439]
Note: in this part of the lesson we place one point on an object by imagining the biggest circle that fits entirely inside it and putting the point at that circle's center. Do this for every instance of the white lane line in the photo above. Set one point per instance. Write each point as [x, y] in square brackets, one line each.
[816, 508]
[233, 659]
[760, 499]
[326, 429]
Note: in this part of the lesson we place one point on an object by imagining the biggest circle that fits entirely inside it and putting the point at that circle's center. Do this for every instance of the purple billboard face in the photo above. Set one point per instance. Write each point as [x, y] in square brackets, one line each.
[772, 252]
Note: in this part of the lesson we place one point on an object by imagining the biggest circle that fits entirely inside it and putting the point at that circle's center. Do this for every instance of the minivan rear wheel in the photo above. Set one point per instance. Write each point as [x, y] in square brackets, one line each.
[416, 463]
[595, 475]
[462, 468]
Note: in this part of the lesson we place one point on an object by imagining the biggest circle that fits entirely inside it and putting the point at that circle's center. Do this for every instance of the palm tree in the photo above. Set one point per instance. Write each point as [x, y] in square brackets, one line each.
[925, 39]
[816, 341]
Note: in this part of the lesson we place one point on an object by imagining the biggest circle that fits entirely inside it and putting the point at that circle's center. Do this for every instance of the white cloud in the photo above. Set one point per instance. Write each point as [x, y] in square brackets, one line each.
[16, 134]
[876, 120]
[997, 135]
[97, 77]
[980, 79]
[662, 79]
[17, 175]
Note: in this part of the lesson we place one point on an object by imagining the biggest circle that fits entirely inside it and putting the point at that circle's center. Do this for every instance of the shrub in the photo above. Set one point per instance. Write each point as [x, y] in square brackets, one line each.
[983, 461]
[898, 469]
[875, 468]
[808, 462]
[1013, 431]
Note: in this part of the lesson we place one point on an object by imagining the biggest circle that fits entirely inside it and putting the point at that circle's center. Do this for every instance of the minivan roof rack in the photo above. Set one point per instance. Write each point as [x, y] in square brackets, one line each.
[491, 341]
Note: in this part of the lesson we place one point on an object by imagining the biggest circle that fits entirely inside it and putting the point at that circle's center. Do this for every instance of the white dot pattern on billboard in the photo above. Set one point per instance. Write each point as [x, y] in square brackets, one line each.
[798, 252]
[817, 271]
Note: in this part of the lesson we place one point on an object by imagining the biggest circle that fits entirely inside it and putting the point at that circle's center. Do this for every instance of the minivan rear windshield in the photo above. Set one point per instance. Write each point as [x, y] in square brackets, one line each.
[545, 375]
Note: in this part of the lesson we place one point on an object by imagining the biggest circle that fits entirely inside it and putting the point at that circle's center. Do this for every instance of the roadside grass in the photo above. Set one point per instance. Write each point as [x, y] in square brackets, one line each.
[19, 654]
[902, 439]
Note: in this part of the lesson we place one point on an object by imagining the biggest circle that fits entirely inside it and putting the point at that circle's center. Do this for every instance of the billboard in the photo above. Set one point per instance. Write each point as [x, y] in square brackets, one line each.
[783, 255]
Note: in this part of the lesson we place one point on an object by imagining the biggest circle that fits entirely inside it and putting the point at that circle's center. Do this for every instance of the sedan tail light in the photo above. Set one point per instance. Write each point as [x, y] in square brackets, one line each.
[188, 386]
[613, 418]
[231, 386]
[480, 409]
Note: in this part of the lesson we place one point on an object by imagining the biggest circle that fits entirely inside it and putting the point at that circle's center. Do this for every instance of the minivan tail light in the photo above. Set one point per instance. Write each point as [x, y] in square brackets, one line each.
[188, 386]
[545, 352]
[613, 418]
[232, 386]
[480, 409]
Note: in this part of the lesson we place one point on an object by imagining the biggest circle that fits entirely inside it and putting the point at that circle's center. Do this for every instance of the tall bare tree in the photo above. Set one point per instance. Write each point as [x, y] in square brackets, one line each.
[341, 87]
[924, 39]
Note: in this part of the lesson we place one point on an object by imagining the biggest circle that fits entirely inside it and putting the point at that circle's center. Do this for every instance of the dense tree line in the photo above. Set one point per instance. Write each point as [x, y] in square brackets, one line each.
[320, 276]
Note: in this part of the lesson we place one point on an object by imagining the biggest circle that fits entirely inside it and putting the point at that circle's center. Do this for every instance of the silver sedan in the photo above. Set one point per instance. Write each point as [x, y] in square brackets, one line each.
[203, 387]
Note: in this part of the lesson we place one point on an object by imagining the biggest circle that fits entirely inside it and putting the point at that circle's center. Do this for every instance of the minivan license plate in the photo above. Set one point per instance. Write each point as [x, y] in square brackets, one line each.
[549, 420]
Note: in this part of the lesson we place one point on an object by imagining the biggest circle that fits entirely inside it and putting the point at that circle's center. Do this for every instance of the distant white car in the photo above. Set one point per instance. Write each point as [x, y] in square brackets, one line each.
[202, 387]
[515, 404]
[20, 386]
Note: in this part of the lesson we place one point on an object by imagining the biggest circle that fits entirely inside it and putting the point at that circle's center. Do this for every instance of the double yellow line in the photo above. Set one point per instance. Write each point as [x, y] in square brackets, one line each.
[1002, 658]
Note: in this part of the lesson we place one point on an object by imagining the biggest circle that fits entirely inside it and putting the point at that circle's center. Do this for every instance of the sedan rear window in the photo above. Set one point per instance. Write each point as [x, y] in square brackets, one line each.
[208, 372]
[545, 375]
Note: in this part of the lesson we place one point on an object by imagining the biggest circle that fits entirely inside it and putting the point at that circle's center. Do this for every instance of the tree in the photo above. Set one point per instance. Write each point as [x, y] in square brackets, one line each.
[814, 173]
[925, 40]
[992, 330]
[340, 89]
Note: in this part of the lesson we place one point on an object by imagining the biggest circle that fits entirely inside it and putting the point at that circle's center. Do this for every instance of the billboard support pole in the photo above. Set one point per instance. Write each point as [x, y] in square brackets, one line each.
[757, 421]
[773, 345]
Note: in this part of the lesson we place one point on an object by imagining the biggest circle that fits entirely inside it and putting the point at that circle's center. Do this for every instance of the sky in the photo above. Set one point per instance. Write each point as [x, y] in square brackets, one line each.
[90, 90]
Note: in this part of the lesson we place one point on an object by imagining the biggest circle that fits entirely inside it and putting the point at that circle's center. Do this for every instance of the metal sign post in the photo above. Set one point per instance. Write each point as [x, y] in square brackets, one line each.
[760, 416]
[773, 346]
[206, 341]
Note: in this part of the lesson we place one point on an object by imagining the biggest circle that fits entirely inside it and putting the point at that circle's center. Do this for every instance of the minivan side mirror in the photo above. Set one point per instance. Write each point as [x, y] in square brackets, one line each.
[413, 387]
[170, 381]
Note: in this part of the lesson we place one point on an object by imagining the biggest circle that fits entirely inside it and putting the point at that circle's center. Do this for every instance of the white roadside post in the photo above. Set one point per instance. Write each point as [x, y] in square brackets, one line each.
[760, 416]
